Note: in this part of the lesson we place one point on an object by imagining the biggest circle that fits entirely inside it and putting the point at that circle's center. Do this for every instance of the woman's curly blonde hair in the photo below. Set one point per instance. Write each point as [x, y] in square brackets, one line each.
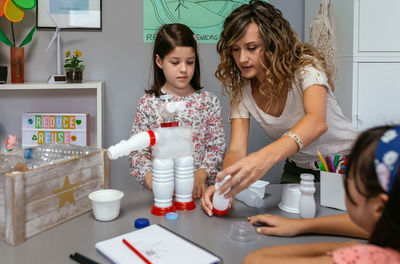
[284, 53]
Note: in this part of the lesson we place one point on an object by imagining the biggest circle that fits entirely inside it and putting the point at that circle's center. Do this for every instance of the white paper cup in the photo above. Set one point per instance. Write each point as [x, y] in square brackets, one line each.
[290, 198]
[106, 204]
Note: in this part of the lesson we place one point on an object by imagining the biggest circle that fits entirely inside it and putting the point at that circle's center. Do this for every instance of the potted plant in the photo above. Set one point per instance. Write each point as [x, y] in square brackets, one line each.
[73, 67]
[13, 10]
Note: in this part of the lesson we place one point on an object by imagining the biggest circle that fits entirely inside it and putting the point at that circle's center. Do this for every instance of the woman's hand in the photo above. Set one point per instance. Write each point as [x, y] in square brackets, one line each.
[277, 225]
[200, 178]
[244, 172]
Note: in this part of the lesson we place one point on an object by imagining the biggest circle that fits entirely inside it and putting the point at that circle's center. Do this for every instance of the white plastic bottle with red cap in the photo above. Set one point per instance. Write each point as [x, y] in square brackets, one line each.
[220, 203]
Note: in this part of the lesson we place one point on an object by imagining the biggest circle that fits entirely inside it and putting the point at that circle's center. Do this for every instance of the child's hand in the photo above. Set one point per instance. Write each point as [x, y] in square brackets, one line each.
[206, 200]
[148, 180]
[276, 225]
[200, 177]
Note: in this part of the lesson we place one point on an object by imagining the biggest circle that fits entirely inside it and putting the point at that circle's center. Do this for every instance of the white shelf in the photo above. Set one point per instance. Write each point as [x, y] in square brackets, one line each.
[40, 95]
[367, 58]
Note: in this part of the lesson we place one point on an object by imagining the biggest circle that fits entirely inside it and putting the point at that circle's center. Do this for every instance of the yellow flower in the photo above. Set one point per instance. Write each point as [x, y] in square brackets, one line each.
[78, 53]
[67, 53]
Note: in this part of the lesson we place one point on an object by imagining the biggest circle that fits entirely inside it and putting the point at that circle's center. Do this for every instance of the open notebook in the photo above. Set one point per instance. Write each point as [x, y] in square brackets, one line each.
[158, 245]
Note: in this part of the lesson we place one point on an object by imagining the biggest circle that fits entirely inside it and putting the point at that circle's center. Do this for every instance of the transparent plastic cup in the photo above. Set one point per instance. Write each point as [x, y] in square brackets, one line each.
[242, 231]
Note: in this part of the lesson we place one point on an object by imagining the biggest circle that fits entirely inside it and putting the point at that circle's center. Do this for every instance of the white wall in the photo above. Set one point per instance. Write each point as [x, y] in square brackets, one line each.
[118, 56]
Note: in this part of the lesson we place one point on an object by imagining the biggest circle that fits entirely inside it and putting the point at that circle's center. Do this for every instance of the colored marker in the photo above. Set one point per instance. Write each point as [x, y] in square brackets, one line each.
[329, 162]
[336, 161]
[323, 162]
[135, 251]
[82, 259]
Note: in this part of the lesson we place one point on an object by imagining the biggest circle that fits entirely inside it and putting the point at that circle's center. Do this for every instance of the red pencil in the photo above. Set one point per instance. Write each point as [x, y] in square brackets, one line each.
[136, 251]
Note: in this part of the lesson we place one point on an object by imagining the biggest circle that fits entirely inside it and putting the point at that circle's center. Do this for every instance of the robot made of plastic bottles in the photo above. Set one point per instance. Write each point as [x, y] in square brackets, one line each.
[173, 163]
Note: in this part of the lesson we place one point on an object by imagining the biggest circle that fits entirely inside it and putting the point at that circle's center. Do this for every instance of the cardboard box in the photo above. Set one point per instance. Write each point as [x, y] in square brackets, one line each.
[36, 200]
[68, 128]
[332, 190]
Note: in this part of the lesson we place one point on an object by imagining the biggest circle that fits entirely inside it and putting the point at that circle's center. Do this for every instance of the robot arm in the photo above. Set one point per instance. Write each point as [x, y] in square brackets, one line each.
[136, 142]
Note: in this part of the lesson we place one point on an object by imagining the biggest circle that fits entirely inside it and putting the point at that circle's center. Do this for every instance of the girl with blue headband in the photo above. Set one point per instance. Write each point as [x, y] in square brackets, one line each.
[372, 185]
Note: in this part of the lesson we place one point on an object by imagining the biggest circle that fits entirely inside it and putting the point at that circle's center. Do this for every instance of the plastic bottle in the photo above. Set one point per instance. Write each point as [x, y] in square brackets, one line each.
[220, 203]
[250, 198]
[307, 206]
[29, 161]
[53, 152]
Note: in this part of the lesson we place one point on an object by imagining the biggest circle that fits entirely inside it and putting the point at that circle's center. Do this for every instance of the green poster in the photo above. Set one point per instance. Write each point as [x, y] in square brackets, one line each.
[204, 17]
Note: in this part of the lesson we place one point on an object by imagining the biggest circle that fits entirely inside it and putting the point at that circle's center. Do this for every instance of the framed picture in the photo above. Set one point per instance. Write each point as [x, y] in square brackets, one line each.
[68, 14]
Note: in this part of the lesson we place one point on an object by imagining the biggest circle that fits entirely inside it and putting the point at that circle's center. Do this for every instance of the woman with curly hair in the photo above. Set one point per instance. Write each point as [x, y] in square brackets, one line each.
[285, 85]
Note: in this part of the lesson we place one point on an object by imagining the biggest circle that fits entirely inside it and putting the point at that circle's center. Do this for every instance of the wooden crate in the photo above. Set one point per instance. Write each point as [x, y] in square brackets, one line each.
[36, 200]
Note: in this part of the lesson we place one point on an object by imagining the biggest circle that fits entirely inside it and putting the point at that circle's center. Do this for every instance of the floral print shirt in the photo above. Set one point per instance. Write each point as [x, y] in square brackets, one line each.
[365, 254]
[202, 113]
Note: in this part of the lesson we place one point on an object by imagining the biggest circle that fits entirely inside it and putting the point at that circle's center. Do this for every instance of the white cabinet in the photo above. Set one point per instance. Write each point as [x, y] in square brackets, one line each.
[86, 97]
[367, 57]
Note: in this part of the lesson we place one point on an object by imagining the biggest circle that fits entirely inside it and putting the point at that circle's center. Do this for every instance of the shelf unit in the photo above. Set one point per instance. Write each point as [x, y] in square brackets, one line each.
[86, 97]
[367, 57]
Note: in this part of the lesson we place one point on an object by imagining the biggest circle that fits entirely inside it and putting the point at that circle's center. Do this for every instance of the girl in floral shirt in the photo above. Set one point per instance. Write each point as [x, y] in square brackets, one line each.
[177, 72]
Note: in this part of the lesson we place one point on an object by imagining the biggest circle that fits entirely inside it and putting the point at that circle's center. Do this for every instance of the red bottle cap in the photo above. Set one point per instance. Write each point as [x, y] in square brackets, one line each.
[162, 211]
[185, 206]
[170, 124]
[220, 212]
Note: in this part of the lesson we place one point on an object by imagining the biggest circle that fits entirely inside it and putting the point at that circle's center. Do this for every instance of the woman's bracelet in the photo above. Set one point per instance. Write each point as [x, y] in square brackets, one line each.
[295, 137]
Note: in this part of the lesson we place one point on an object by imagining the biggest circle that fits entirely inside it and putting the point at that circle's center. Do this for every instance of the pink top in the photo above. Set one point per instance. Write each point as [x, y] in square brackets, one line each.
[365, 254]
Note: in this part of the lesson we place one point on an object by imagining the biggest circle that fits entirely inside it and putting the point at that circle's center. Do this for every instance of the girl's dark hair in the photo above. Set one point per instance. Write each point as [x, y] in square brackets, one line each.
[168, 38]
[361, 169]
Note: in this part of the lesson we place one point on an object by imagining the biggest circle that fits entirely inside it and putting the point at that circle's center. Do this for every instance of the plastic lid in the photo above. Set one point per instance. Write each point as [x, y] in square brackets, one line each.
[242, 231]
[171, 216]
[28, 153]
[141, 222]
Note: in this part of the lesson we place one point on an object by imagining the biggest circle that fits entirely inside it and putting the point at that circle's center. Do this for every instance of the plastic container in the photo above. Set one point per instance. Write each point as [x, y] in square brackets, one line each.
[253, 196]
[242, 231]
[250, 198]
[106, 204]
[259, 188]
[307, 207]
[220, 203]
[290, 198]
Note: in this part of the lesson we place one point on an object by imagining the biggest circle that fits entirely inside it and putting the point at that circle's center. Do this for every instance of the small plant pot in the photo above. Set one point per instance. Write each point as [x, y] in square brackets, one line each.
[17, 64]
[74, 76]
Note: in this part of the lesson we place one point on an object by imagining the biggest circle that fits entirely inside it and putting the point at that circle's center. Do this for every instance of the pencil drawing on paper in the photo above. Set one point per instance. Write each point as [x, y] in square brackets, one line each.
[154, 250]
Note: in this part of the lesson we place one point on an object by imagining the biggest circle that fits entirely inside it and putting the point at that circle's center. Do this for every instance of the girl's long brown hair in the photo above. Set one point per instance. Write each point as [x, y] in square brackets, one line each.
[283, 52]
[168, 38]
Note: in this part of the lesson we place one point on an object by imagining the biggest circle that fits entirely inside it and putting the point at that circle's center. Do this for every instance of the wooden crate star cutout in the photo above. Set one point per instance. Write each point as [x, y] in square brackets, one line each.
[66, 193]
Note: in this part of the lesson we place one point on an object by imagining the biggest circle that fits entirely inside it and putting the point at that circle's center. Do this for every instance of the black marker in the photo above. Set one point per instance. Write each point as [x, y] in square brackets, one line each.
[82, 259]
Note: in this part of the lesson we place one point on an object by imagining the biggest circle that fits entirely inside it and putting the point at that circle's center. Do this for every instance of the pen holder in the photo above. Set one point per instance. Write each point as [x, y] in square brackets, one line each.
[332, 190]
